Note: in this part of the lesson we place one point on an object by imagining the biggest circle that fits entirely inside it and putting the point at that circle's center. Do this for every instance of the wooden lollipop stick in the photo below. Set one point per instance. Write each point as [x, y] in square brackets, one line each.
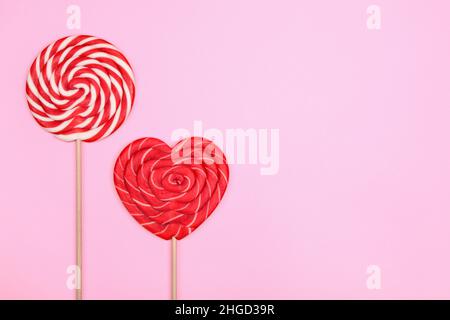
[174, 269]
[79, 233]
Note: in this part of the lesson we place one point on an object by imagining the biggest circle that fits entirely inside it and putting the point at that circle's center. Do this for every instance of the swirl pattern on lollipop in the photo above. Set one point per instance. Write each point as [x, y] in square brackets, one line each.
[80, 87]
[171, 191]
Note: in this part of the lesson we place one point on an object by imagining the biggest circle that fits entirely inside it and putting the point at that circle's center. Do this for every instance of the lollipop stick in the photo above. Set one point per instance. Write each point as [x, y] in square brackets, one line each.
[79, 292]
[174, 269]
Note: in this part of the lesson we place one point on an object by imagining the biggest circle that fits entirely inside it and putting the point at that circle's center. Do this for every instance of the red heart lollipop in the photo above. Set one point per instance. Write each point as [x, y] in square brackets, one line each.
[171, 191]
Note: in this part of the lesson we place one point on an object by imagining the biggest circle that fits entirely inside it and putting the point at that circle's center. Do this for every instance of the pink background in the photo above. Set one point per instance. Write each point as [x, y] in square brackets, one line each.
[364, 164]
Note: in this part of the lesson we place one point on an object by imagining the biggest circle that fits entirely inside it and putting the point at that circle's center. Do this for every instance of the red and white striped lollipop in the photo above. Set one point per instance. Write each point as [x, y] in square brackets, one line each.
[171, 191]
[80, 88]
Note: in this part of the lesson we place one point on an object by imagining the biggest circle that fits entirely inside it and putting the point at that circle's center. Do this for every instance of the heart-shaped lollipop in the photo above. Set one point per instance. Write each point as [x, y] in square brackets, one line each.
[171, 191]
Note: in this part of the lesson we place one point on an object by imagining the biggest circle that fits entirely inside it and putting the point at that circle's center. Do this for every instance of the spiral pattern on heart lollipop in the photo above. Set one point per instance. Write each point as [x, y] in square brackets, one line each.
[171, 191]
[80, 87]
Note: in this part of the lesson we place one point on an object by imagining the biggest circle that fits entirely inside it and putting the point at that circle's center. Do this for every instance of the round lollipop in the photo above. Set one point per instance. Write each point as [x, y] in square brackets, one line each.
[80, 88]
[171, 191]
